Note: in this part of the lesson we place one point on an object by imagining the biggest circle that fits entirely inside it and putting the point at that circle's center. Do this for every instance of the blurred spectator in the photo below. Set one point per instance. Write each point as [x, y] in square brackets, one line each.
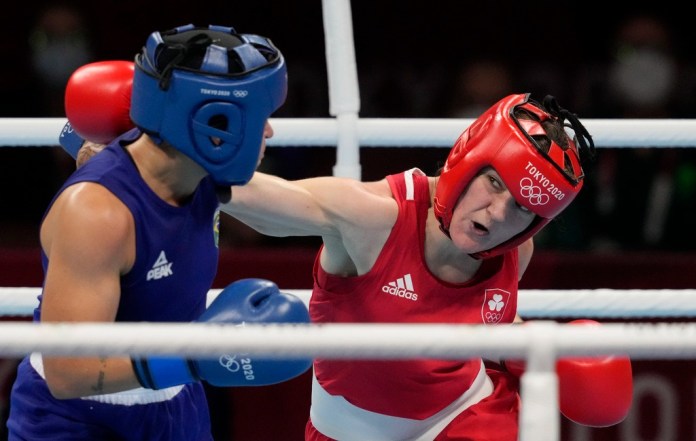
[59, 44]
[634, 187]
[478, 84]
[643, 75]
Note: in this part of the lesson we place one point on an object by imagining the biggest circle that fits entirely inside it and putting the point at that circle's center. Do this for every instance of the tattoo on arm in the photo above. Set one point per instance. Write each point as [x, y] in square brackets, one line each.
[99, 386]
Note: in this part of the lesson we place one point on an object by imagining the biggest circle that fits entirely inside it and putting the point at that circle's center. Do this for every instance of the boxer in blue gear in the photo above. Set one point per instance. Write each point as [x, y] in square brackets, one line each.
[132, 234]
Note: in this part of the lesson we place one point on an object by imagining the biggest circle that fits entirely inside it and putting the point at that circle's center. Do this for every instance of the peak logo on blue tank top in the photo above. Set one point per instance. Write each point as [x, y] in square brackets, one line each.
[161, 269]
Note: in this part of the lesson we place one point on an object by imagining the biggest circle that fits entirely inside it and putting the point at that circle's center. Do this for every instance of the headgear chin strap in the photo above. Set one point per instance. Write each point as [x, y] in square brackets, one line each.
[208, 92]
[545, 182]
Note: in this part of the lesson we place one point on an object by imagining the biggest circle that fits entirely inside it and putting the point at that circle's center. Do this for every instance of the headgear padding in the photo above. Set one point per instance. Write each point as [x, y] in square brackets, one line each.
[545, 182]
[208, 92]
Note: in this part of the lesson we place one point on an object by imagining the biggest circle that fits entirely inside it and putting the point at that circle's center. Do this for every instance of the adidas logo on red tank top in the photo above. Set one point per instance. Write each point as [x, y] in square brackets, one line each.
[401, 287]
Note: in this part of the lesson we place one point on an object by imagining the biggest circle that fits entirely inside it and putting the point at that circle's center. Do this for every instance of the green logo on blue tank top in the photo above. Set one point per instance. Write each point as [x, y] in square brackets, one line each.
[216, 228]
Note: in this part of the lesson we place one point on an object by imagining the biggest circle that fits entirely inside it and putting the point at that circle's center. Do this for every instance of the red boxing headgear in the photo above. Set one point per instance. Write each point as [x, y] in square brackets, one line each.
[543, 182]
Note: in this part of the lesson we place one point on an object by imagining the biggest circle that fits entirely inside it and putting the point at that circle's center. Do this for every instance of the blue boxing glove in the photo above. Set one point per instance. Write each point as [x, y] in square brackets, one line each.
[244, 301]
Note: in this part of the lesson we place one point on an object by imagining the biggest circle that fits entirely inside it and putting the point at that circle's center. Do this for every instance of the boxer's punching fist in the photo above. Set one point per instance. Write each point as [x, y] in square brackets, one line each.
[593, 391]
[244, 301]
[97, 100]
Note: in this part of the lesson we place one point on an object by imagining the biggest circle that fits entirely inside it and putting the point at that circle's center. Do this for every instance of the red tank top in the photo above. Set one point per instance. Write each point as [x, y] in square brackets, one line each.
[401, 289]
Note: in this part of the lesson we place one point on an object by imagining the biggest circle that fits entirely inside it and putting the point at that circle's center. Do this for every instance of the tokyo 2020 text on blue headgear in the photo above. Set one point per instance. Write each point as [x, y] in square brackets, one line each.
[208, 92]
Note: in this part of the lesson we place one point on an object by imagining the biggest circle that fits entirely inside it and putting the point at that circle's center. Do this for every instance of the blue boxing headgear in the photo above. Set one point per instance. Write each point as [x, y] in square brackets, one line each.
[208, 92]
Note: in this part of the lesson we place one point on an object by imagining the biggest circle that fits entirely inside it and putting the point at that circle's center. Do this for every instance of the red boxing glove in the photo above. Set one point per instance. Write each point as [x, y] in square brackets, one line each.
[97, 100]
[595, 391]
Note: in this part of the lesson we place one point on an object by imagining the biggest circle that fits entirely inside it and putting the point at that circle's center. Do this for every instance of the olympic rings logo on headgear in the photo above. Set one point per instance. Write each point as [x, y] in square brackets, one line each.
[240, 93]
[229, 362]
[532, 192]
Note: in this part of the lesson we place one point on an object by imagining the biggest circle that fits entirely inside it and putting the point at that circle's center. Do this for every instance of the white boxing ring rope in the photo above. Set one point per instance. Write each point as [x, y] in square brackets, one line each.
[352, 341]
[537, 303]
[393, 132]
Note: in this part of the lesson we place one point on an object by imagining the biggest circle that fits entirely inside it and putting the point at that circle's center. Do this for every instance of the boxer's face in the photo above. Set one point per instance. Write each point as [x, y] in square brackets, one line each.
[487, 214]
[267, 133]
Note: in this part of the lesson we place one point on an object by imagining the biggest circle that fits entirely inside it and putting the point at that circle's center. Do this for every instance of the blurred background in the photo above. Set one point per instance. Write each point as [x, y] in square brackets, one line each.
[632, 227]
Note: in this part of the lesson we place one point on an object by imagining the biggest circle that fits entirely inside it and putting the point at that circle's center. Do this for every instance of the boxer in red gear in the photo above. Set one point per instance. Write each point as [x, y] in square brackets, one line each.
[412, 248]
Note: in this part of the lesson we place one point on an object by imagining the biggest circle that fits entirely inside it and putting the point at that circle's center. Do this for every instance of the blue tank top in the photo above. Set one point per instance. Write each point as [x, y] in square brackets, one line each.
[176, 247]
[176, 261]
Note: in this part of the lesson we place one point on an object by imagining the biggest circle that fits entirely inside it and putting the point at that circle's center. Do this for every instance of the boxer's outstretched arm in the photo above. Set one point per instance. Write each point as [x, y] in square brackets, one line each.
[323, 206]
